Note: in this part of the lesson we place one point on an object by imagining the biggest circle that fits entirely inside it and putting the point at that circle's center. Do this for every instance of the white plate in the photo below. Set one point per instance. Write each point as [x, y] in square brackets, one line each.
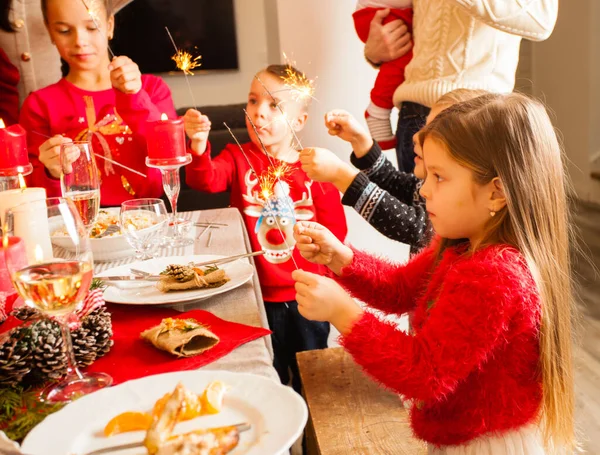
[277, 414]
[103, 249]
[145, 293]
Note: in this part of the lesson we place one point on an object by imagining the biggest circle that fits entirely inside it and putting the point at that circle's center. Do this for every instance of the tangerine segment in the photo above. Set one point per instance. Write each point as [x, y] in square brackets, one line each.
[128, 421]
[212, 398]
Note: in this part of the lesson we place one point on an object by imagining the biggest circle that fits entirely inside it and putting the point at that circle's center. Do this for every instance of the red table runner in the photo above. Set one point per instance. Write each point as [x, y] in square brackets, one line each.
[132, 358]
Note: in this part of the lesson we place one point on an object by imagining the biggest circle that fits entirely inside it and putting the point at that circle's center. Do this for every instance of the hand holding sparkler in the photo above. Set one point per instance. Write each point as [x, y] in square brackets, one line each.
[197, 126]
[322, 165]
[125, 75]
[319, 245]
[50, 154]
[342, 124]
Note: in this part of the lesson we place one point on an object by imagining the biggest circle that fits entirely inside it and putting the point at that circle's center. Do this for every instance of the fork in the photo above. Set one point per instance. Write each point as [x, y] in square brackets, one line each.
[111, 229]
[241, 427]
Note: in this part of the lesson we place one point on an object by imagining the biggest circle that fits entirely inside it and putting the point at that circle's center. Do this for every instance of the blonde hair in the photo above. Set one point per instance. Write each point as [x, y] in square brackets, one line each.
[512, 137]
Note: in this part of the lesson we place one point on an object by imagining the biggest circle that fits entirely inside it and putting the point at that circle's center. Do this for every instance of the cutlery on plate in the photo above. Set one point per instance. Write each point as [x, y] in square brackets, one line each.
[111, 229]
[197, 223]
[142, 274]
[145, 277]
[228, 259]
[240, 427]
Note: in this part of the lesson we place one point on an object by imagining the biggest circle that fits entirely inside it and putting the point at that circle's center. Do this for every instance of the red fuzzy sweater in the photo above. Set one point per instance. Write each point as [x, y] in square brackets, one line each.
[472, 364]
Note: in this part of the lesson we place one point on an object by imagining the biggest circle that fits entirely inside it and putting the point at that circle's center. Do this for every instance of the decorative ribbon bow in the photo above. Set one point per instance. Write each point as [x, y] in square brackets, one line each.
[110, 124]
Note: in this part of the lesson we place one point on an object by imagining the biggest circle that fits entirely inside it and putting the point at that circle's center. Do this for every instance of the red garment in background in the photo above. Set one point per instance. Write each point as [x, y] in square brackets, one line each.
[9, 94]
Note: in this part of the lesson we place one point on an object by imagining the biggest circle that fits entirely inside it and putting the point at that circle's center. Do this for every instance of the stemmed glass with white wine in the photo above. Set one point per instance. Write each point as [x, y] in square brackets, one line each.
[79, 179]
[53, 282]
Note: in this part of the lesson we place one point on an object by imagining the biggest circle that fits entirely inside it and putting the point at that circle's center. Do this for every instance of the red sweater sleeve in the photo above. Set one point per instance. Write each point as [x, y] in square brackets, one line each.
[208, 175]
[329, 209]
[468, 319]
[384, 285]
[36, 118]
[146, 105]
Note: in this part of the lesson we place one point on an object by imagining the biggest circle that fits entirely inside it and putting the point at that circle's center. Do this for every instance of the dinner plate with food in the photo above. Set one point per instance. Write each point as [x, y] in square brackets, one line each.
[201, 411]
[174, 279]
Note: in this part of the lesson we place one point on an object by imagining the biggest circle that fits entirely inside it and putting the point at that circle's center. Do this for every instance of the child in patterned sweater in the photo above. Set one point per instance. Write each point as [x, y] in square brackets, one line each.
[387, 198]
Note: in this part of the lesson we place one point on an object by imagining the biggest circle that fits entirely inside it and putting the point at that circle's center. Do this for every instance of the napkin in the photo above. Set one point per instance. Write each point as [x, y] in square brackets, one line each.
[181, 337]
[132, 358]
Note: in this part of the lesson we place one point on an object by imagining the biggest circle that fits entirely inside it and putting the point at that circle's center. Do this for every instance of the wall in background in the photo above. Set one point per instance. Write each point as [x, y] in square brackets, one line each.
[566, 74]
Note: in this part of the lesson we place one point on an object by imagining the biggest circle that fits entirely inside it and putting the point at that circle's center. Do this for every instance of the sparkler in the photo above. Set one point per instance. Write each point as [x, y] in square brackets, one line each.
[298, 143]
[186, 63]
[93, 13]
[268, 181]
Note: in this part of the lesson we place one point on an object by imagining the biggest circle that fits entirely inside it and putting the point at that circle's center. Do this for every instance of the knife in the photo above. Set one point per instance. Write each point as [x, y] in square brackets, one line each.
[130, 278]
[240, 427]
[228, 259]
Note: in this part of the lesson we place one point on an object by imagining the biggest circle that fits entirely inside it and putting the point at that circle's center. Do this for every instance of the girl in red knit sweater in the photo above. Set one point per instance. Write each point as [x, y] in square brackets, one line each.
[489, 364]
[103, 101]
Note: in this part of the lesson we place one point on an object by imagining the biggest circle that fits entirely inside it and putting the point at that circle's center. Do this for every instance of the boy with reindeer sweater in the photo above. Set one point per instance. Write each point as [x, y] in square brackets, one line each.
[272, 192]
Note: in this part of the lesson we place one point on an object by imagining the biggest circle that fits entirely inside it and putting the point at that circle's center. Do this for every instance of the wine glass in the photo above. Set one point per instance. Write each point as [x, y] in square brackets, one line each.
[53, 282]
[144, 223]
[79, 179]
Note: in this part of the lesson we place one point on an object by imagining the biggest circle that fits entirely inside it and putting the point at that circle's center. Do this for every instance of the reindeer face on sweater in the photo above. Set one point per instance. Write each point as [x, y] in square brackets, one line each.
[277, 213]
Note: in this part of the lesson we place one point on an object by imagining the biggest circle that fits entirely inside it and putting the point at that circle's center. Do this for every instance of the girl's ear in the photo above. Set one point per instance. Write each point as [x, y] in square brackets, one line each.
[110, 27]
[300, 121]
[497, 197]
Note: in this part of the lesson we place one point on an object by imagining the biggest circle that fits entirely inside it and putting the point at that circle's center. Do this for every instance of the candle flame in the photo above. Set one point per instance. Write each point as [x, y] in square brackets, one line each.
[5, 241]
[185, 61]
[22, 183]
[2, 125]
[164, 117]
[38, 253]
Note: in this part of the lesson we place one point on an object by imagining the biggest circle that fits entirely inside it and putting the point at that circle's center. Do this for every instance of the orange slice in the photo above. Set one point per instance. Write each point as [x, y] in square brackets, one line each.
[128, 421]
[212, 398]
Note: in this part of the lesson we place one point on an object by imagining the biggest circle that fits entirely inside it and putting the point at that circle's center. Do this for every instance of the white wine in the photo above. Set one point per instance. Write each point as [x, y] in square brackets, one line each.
[87, 204]
[54, 288]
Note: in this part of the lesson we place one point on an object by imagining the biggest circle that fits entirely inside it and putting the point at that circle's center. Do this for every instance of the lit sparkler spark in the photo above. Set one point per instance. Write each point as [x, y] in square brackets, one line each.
[302, 88]
[186, 62]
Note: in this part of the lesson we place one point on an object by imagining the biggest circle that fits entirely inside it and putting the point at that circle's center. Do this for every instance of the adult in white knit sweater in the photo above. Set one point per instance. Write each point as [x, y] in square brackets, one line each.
[470, 44]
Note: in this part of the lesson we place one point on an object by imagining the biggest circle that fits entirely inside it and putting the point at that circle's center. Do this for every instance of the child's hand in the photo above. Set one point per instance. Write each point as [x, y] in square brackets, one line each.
[322, 299]
[342, 124]
[197, 127]
[323, 165]
[125, 75]
[320, 164]
[50, 154]
[317, 244]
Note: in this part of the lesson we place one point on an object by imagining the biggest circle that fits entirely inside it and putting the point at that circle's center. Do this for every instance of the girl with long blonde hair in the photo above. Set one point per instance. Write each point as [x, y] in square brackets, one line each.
[489, 364]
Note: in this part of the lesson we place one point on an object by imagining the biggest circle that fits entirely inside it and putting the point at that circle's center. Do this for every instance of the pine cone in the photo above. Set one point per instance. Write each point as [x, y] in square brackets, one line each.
[25, 313]
[15, 356]
[181, 273]
[93, 339]
[49, 355]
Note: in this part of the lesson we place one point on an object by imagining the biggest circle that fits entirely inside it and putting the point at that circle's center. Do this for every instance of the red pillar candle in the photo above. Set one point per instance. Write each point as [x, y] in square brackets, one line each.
[13, 147]
[166, 139]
